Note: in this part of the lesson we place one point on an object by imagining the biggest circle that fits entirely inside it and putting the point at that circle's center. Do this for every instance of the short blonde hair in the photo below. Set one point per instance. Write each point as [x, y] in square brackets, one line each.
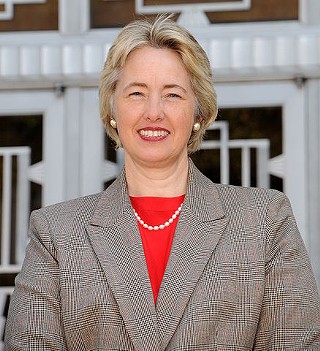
[163, 32]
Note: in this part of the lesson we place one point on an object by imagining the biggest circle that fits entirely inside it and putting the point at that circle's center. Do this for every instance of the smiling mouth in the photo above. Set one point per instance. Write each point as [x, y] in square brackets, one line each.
[153, 133]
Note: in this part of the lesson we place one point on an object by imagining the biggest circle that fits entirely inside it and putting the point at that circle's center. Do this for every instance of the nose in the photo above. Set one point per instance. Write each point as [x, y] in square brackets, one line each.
[154, 109]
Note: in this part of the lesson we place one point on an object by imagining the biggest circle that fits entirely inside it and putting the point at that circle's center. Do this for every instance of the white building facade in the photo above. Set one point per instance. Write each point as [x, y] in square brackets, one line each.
[48, 82]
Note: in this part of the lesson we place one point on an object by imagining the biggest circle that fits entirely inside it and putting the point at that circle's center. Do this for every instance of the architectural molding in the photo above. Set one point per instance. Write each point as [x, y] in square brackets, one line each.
[238, 52]
[173, 7]
[8, 12]
[194, 13]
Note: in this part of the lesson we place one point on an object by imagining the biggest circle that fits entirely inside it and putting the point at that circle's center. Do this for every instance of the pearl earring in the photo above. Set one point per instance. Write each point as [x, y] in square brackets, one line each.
[196, 127]
[113, 123]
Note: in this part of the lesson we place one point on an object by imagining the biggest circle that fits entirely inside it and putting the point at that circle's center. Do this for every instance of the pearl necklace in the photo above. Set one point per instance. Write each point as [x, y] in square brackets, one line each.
[160, 226]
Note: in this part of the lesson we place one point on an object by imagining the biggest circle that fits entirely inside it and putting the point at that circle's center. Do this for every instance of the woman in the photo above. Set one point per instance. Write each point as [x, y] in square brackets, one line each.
[164, 259]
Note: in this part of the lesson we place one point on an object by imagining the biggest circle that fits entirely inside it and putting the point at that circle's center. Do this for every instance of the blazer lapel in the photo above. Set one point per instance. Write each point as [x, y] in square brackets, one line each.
[115, 238]
[201, 224]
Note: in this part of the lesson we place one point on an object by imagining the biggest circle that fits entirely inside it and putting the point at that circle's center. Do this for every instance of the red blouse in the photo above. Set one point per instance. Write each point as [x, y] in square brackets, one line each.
[156, 243]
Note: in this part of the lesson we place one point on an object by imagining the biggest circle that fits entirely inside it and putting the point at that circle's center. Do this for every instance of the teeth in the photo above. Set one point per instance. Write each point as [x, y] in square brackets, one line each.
[153, 133]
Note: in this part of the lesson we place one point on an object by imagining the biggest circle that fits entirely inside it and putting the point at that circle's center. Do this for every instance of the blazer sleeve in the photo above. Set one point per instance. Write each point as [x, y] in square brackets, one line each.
[34, 320]
[290, 317]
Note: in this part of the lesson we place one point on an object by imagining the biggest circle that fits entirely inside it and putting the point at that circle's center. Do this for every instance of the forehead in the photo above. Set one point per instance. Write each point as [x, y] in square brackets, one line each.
[151, 51]
[154, 63]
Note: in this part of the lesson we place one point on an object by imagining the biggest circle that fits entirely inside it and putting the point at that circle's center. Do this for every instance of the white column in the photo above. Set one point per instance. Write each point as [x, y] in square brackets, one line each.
[295, 156]
[92, 146]
[309, 11]
[72, 106]
[74, 16]
[53, 153]
[313, 172]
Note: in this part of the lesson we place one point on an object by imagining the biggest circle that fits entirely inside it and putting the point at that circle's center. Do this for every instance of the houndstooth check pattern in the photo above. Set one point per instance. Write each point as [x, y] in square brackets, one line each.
[238, 277]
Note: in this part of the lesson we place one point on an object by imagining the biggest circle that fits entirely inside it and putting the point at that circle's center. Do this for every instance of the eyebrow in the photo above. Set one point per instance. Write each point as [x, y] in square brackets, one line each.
[177, 86]
[135, 84]
[143, 85]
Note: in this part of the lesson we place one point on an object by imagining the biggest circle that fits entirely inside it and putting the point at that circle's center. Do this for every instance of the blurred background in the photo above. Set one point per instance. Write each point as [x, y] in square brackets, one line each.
[265, 56]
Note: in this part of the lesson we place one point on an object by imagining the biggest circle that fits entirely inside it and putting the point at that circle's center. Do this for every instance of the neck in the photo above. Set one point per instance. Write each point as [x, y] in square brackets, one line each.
[167, 181]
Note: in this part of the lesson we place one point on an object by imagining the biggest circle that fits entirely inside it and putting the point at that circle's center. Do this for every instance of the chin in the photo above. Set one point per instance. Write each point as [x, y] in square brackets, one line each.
[159, 160]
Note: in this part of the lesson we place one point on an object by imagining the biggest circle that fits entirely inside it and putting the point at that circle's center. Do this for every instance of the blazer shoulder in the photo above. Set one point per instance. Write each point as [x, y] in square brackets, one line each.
[234, 197]
[250, 197]
[81, 208]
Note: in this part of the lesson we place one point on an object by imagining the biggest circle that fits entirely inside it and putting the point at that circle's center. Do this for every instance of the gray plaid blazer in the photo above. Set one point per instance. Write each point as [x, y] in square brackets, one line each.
[238, 277]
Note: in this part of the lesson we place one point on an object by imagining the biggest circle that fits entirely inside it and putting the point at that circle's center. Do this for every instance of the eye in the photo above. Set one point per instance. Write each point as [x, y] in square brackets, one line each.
[135, 93]
[174, 96]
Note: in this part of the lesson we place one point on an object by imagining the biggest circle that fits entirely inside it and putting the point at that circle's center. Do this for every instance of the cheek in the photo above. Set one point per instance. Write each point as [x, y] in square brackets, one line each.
[122, 116]
[184, 129]
[186, 120]
[127, 109]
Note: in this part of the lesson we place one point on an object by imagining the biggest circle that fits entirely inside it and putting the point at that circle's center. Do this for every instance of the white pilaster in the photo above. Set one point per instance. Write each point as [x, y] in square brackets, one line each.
[74, 16]
[54, 182]
[92, 133]
[309, 11]
[313, 172]
[72, 110]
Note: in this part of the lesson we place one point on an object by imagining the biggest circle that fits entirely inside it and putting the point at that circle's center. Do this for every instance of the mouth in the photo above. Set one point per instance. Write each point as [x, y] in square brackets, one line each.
[150, 133]
[153, 134]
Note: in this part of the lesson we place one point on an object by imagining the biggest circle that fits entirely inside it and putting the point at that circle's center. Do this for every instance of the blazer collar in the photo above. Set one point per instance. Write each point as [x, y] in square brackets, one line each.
[202, 199]
[201, 224]
[115, 238]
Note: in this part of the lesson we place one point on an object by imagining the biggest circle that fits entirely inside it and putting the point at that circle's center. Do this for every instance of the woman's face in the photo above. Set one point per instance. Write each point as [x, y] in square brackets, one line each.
[154, 106]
